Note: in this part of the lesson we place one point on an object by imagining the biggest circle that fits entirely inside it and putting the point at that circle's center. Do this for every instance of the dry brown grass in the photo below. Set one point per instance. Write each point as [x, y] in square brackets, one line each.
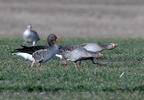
[87, 18]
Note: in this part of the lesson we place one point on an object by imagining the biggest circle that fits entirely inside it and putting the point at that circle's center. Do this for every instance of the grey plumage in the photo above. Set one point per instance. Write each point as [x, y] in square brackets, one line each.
[44, 55]
[89, 47]
[77, 53]
[85, 51]
[39, 54]
[96, 47]
[30, 36]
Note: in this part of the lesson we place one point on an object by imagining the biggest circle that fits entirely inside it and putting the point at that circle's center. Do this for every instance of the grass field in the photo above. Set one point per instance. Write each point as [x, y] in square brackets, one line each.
[54, 81]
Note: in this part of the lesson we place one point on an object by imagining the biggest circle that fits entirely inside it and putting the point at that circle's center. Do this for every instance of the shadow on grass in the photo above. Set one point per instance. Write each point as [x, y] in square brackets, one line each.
[77, 88]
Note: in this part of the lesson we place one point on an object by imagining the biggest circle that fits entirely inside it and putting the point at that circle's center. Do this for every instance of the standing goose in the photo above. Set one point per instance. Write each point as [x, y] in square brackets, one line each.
[90, 47]
[76, 53]
[39, 54]
[30, 36]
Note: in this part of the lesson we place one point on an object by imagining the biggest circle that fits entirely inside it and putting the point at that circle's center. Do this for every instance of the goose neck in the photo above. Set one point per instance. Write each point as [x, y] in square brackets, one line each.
[51, 43]
[105, 47]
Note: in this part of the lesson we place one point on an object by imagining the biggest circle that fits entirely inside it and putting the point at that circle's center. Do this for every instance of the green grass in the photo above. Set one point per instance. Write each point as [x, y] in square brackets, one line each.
[54, 81]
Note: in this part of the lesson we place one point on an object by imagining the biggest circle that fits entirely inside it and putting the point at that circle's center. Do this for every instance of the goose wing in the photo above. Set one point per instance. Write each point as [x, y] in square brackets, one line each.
[29, 50]
[67, 48]
[92, 47]
[40, 55]
[44, 55]
[76, 52]
[35, 35]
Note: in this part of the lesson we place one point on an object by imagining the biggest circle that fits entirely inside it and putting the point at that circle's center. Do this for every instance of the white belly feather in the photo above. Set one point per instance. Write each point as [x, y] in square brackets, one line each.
[25, 56]
[58, 55]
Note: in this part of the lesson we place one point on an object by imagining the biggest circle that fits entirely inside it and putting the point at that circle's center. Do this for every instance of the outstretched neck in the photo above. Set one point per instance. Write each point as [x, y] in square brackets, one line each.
[105, 47]
[108, 47]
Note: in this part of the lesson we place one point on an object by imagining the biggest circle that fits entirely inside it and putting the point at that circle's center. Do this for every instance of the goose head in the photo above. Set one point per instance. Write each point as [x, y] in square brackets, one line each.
[51, 38]
[111, 46]
[29, 27]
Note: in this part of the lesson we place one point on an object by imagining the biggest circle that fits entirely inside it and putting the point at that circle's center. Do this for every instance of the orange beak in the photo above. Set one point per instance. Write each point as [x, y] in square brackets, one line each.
[115, 45]
[57, 40]
[100, 55]
[29, 27]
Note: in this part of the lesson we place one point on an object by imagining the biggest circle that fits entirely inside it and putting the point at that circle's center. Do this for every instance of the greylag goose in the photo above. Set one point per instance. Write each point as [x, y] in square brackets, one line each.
[96, 47]
[90, 47]
[30, 36]
[76, 53]
[39, 54]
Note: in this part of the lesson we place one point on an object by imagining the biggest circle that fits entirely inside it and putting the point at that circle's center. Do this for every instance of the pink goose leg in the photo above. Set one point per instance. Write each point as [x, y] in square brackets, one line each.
[100, 64]
[75, 64]
[32, 64]
[79, 63]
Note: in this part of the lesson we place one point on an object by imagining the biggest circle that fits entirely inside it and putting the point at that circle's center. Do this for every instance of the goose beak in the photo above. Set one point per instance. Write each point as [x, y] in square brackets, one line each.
[29, 27]
[100, 55]
[115, 45]
[57, 40]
